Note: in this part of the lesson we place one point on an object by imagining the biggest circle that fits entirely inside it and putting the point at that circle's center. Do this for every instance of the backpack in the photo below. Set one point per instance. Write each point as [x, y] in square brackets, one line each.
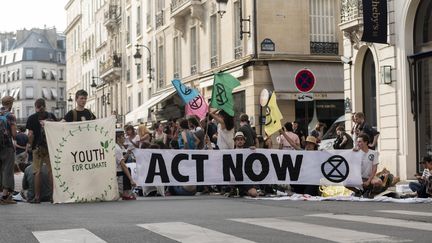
[47, 116]
[5, 138]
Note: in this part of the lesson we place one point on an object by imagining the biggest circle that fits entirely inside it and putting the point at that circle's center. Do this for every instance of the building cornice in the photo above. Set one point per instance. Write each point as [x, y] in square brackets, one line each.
[72, 24]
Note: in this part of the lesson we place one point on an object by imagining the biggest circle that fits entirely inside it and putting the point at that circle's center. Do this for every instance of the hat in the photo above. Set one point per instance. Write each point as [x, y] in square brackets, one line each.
[7, 100]
[311, 139]
[239, 134]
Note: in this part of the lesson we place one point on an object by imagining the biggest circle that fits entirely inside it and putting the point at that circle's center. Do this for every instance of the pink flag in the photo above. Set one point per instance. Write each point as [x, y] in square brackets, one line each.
[198, 106]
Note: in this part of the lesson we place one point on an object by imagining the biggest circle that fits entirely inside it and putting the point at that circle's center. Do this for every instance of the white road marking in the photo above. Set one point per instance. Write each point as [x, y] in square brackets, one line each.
[404, 212]
[318, 231]
[67, 235]
[188, 233]
[378, 220]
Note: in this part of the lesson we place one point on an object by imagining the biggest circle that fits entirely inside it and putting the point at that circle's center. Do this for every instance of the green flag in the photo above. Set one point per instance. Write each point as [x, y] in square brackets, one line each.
[222, 97]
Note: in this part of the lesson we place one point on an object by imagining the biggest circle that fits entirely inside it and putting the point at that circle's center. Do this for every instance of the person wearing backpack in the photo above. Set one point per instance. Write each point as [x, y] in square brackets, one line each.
[38, 144]
[80, 113]
[7, 155]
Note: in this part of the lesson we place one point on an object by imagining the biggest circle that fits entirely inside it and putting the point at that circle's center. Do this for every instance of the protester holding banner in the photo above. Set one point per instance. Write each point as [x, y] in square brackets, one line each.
[144, 134]
[288, 139]
[38, 144]
[299, 131]
[124, 177]
[225, 132]
[159, 137]
[132, 140]
[80, 113]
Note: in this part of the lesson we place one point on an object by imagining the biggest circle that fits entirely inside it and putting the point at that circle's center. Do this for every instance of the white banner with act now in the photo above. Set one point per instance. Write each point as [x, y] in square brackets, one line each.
[245, 166]
[82, 160]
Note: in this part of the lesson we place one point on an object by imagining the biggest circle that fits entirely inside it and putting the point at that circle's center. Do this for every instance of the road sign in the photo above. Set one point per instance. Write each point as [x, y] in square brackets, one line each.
[305, 97]
[304, 80]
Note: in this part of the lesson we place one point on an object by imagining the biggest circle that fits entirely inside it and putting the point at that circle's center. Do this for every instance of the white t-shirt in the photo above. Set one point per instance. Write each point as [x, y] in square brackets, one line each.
[119, 156]
[135, 139]
[369, 159]
[225, 139]
[285, 144]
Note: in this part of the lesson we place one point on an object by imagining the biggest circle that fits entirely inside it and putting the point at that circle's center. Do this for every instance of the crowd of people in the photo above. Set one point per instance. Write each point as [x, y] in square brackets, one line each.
[26, 170]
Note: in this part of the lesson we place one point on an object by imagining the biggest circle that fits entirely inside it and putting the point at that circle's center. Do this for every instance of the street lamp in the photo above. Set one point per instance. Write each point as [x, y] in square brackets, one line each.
[105, 97]
[70, 97]
[222, 6]
[138, 60]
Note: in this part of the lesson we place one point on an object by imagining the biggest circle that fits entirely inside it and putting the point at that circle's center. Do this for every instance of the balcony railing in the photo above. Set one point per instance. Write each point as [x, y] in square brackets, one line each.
[351, 10]
[213, 61]
[194, 70]
[112, 16]
[324, 48]
[111, 68]
[159, 19]
[177, 4]
[238, 52]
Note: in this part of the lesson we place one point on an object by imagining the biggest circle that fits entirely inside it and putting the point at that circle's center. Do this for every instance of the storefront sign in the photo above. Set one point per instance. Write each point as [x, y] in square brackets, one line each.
[375, 21]
[305, 97]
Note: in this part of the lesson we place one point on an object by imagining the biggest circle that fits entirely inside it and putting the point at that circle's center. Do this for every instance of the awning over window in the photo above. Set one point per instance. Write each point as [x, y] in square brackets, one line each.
[11, 74]
[15, 95]
[142, 111]
[54, 93]
[329, 76]
[46, 94]
[12, 92]
[3, 94]
[54, 73]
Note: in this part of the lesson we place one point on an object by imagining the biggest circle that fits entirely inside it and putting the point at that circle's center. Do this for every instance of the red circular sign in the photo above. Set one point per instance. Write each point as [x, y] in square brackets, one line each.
[305, 80]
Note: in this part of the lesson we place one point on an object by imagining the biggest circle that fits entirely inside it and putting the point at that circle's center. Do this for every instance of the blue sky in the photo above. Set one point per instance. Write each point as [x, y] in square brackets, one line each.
[19, 14]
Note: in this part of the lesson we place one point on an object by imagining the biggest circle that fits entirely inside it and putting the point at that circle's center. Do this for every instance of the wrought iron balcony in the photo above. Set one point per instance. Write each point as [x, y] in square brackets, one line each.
[112, 17]
[351, 14]
[324, 48]
[177, 5]
[352, 20]
[194, 70]
[110, 70]
[159, 19]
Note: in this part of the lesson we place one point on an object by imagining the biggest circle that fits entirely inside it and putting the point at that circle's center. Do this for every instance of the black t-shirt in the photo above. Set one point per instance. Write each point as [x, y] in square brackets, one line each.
[249, 134]
[22, 140]
[86, 114]
[33, 124]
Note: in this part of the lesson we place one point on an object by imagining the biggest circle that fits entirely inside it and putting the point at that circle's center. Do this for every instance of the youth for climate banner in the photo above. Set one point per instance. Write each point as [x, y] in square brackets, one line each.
[82, 160]
[246, 166]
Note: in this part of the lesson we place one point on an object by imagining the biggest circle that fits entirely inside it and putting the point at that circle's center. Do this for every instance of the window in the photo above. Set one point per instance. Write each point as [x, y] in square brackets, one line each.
[176, 57]
[323, 37]
[237, 38]
[29, 110]
[149, 13]
[61, 74]
[139, 98]
[138, 25]
[4, 60]
[29, 73]
[138, 71]
[161, 66]
[18, 74]
[62, 93]
[1, 60]
[128, 33]
[128, 78]
[44, 74]
[29, 93]
[213, 41]
[194, 52]
[129, 103]
[13, 58]
[29, 55]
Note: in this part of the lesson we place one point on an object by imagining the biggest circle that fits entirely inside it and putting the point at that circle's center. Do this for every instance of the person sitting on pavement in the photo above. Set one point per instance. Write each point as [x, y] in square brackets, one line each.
[243, 190]
[124, 177]
[420, 187]
[28, 184]
[343, 140]
[369, 165]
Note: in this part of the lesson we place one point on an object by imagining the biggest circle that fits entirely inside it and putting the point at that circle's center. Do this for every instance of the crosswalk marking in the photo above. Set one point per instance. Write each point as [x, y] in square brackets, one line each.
[318, 231]
[404, 212]
[378, 220]
[67, 235]
[184, 232]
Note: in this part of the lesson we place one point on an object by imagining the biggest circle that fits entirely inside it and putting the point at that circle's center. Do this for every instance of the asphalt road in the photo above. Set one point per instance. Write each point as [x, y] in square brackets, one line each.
[216, 219]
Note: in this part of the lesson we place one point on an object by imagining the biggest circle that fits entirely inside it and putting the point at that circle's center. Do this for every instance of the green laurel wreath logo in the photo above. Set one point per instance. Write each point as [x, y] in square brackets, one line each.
[108, 144]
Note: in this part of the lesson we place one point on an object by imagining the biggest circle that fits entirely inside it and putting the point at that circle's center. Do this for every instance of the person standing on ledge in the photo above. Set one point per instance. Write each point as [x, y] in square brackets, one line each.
[80, 113]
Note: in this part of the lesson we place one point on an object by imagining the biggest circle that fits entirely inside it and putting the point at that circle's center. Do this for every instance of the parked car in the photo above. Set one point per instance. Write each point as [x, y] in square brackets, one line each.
[330, 136]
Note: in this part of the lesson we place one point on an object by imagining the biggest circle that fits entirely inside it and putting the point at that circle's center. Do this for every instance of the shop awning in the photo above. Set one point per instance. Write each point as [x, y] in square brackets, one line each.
[329, 76]
[15, 95]
[142, 111]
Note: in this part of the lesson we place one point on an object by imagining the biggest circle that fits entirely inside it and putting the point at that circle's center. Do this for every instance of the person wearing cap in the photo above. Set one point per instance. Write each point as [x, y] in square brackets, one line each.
[249, 133]
[7, 155]
[124, 177]
[313, 190]
[244, 190]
